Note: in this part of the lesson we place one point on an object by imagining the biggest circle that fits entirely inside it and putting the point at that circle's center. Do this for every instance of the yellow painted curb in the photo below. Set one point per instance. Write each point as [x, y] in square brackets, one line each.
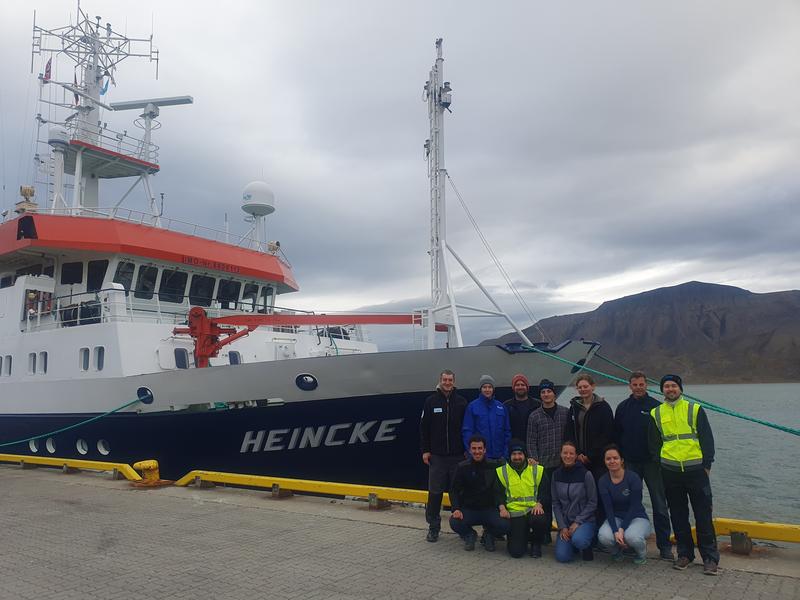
[90, 465]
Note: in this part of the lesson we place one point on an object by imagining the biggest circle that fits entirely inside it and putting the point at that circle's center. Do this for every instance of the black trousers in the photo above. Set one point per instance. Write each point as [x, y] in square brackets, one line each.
[545, 497]
[441, 471]
[524, 529]
[681, 488]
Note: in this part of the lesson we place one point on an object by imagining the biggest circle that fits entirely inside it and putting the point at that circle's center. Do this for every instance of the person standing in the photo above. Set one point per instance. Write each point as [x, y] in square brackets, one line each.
[520, 406]
[590, 424]
[546, 427]
[631, 424]
[487, 417]
[680, 438]
[441, 445]
[522, 484]
[626, 524]
[476, 496]
[574, 495]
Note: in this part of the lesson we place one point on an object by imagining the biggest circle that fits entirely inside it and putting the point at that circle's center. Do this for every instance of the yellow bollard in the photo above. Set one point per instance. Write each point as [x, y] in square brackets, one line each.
[150, 475]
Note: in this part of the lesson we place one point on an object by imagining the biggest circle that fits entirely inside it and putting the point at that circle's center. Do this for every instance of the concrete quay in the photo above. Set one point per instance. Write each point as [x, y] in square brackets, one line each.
[86, 536]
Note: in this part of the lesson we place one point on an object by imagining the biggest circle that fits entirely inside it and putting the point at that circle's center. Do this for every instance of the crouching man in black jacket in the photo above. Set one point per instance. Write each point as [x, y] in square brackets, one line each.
[475, 497]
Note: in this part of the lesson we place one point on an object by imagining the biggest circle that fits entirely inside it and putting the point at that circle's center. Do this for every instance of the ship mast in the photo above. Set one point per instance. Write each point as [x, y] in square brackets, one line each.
[443, 313]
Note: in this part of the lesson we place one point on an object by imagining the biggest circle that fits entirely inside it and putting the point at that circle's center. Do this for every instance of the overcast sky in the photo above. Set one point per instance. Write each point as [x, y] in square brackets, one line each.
[605, 148]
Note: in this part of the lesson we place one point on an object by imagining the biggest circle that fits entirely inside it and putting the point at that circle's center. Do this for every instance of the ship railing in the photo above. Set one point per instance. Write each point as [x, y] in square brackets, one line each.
[115, 304]
[114, 141]
[138, 217]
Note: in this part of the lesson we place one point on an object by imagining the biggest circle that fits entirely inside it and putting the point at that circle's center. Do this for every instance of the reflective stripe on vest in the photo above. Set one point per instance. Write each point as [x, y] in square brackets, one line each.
[531, 477]
[680, 443]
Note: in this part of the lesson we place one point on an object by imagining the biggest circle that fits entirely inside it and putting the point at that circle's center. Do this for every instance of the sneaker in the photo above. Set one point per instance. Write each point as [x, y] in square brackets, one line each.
[681, 563]
[587, 554]
[536, 550]
[640, 560]
[710, 567]
[618, 557]
[666, 554]
[433, 535]
[488, 543]
[469, 542]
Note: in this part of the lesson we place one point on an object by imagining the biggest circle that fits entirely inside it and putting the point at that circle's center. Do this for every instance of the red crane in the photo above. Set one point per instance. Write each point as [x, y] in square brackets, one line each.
[207, 331]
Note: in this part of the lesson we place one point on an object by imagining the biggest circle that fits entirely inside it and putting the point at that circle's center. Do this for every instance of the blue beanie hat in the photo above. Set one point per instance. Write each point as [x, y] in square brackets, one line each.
[674, 378]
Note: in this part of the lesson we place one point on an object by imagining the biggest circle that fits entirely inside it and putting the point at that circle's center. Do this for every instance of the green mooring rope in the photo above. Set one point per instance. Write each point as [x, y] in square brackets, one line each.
[709, 405]
[73, 426]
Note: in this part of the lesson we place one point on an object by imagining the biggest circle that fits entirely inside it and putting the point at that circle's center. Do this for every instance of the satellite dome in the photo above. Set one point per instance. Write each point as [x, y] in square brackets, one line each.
[257, 199]
[57, 136]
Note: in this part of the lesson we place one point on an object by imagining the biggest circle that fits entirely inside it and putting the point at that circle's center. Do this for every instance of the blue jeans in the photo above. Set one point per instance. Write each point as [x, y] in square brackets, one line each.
[635, 537]
[488, 517]
[580, 540]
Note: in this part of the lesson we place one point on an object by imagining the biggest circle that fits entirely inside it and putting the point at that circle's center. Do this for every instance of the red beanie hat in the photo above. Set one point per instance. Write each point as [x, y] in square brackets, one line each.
[519, 377]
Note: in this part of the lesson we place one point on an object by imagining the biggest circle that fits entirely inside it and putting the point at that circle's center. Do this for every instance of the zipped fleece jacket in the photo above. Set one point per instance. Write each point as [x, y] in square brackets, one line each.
[440, 424]
[488, 418]
[574, 496]
[597, 431]
[631, 424]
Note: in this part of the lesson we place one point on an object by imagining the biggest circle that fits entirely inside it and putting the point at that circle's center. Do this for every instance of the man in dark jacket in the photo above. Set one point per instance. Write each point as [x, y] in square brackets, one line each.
[680, 438]
[476, 496]
[441, 445]
[631, 423]
[520, 406]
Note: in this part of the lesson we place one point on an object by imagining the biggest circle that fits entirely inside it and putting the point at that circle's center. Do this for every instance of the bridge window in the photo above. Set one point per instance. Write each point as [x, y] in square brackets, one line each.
[182, 358]
[31, 363]
[42, 362]
[71, 273]
[6, 281]
[31, 270]
[173, 286]
[124, 275]
[249, 297]
[234, 357]
[7, 365]
[265, 299]
[228, 293]
[96, 273]
[146, 283]
[48, 270]
[83, 359]
[99, 357]
[201, 290]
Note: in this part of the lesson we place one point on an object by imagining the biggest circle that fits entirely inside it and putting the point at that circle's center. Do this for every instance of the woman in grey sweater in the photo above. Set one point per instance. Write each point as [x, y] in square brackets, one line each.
[574, 503]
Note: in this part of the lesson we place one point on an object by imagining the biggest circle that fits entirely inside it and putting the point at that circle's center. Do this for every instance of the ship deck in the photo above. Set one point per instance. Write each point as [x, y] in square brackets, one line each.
[87, 536]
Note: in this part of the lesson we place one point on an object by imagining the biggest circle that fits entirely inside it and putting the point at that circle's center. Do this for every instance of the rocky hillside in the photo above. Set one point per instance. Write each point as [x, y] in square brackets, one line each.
[706, 332]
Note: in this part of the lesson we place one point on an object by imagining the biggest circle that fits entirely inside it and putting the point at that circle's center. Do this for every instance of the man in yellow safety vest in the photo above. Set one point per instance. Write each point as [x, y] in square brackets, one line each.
[522, 484]
[680, 439]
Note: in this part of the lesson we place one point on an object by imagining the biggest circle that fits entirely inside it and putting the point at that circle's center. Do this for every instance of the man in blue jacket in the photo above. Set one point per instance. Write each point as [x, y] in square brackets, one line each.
[487, 417]
[631, 425]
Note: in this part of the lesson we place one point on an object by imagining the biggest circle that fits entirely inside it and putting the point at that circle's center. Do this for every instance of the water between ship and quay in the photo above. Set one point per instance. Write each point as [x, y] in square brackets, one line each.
[756, 470]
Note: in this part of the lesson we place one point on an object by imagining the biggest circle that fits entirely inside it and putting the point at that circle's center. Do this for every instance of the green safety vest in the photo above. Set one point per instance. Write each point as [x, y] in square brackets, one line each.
[522, 490]
[678, 427]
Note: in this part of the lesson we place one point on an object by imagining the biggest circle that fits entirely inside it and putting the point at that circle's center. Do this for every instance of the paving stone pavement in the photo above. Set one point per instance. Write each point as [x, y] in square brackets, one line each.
[84, 536]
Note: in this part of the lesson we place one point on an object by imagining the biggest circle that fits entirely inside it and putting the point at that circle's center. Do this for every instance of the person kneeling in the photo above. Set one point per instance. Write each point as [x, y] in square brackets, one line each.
[626, 525]
[574, 503]
[522, 486]
[475, 496]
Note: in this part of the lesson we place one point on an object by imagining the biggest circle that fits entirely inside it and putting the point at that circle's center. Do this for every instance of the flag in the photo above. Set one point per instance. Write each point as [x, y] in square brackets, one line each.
[75, 79]
[47, 68]
[104, 89]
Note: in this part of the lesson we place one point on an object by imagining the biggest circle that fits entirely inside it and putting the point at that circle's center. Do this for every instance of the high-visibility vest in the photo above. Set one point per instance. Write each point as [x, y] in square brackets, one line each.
[678, 427]
[522, 489]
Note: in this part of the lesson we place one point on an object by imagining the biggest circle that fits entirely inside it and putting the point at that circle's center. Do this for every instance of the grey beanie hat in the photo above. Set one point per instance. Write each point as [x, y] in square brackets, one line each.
[486, 379]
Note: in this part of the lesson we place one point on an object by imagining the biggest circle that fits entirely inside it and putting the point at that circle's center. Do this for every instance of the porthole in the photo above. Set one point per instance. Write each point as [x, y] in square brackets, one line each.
[50, 444]
[33, 445]
[82, 447]
[103, 447]
[306, 382]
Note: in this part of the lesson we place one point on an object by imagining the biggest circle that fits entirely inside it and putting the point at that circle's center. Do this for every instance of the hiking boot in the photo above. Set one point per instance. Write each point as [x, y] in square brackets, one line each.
[469, 542]
[640, 560]
[618, 557]
[433, 535]
[710, 567]
[536, 551]
[666, 554]
[587, 554]
[681, 563]
[548, 539]
[488, 543]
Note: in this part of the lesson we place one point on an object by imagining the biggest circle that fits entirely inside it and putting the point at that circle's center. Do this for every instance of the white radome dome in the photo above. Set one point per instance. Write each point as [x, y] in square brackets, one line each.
[58, 135]
[258, 199]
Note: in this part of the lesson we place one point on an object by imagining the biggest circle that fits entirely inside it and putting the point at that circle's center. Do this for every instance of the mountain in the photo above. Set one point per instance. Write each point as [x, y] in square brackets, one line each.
[705, 332]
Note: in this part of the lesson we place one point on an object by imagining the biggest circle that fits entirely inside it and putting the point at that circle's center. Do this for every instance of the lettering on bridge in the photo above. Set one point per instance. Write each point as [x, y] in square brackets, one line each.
[210, 264]
[362, 432]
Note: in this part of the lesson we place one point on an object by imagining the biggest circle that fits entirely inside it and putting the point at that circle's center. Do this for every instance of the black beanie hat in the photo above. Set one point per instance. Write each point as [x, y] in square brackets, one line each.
[546, 384]
[516, 445]
[676, 378]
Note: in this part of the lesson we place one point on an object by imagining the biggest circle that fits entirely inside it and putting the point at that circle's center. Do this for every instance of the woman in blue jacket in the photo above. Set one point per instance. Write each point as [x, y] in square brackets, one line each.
[626, 524]
[574, 503]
